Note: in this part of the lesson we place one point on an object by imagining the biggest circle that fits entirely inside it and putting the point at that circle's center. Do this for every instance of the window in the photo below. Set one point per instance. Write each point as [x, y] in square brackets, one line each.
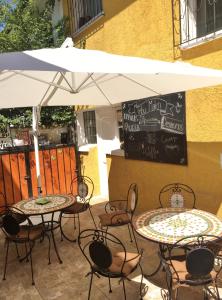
[199, 20]
[209, 16]
[90, 127]
[83, 12]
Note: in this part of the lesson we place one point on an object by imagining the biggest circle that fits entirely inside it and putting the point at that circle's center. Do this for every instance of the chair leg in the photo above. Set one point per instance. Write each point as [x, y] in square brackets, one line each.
[49, 250]
[130, 233]
[74, 222]
[63, 235]
[6, 259]
[16, 246]
[124, 289]
[60, 225]
[134, 236]
[30, 249]
[141, 283]
[26, 253]
[110, 289]
[92, 217]
[90, 285]
[79, 223]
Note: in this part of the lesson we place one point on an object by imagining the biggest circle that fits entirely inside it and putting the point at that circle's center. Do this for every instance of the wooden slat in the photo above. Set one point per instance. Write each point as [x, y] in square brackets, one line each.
[15, 177]
[33, 173]
[2, 187]
[42, 172]
[62, 179]
[7, 178]
[48, 172]
[22, 172]
[55, 174]
[67, 168]
[73, 167]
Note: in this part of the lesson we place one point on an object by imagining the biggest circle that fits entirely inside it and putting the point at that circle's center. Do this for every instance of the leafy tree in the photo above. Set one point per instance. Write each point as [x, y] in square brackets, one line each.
[50, 116]
[25, 25]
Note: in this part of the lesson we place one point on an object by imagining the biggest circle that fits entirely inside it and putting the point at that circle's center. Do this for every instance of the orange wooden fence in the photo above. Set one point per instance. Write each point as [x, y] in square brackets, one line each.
[18, 178]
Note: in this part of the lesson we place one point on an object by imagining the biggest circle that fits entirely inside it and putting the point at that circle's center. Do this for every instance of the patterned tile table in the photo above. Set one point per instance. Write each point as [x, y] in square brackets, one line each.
[46, 205]
[168, 225]
[55, 203]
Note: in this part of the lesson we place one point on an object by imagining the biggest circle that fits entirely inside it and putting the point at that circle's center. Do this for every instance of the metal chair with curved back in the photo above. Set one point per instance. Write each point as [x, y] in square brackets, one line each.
[107, 256]
[192, 261]
[121, 212]
[177, 195]
[18, 233]
[82, 189]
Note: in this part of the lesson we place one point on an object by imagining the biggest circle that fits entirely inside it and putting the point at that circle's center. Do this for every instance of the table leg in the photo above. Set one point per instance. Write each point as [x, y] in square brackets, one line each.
[49, 227]
[53, 239]
[147, 276]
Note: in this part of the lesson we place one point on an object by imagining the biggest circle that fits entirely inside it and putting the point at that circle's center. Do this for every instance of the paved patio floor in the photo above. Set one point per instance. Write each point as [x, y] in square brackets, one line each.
[67, 281]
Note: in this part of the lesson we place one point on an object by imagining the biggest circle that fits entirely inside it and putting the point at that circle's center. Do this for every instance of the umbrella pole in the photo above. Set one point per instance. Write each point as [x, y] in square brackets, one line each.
[35, 114]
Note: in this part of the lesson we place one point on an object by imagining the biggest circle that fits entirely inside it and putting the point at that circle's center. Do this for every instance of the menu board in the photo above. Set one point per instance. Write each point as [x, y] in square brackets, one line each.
[155, 129]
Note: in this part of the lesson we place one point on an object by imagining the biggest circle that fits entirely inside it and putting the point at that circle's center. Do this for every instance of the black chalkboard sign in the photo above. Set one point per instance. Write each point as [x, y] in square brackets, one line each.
[155, 129]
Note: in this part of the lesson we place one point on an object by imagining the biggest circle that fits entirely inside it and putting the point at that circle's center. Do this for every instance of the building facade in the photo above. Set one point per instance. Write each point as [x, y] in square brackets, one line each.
[169, 30]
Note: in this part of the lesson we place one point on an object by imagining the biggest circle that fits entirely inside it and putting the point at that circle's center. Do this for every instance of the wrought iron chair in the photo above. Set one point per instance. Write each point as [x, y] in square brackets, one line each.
[82, 189]
[17, 233]
[192, 261]
[107, 256]
[120, 212]
[177, 195]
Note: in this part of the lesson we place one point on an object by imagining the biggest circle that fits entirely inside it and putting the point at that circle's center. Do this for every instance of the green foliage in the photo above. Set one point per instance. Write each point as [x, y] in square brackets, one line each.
[50, 116]
[24, 25]
[57, 116]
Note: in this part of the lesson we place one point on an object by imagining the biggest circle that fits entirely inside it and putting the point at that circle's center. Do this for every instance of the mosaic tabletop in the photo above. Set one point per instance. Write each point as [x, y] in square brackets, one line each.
[168, 225]
[45, 204]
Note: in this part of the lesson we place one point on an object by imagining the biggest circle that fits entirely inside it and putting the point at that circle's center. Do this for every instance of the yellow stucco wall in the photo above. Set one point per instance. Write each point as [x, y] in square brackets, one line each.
[144, 28]
[89, 161]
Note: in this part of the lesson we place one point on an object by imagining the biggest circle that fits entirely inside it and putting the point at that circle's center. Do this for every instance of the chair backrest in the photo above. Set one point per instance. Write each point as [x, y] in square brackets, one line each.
[200, 253]
[132, 198]
[177, 195]
[82, 187]
[9, 221]
[97, 246]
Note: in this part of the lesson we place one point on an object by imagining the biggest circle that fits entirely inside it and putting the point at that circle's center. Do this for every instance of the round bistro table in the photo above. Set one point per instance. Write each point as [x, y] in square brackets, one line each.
[166, 226]
[43, 205]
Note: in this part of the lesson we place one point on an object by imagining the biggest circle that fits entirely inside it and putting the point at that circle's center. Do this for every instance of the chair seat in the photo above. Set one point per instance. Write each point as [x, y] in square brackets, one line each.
[132, 260]
[114, 219]
[25, 233]
[184, 276]
[118, 258]
[76, 208]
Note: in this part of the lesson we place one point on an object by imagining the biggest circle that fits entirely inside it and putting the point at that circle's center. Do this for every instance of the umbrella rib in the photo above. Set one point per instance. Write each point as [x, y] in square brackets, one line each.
[84, 81]
[148, 88]
[99, 88]
[42, 100]
[72, 90]
[43, 81]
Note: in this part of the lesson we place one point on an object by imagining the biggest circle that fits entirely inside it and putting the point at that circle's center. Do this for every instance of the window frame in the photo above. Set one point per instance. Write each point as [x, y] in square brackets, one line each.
[188, 24]
[75, 9]
[90, 137]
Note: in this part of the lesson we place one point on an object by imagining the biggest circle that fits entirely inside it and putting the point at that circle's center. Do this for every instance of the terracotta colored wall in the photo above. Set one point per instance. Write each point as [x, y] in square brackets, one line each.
[144, 28]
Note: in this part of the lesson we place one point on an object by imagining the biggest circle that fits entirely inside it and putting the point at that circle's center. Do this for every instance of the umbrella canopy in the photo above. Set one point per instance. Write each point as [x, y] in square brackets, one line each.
[69, 76]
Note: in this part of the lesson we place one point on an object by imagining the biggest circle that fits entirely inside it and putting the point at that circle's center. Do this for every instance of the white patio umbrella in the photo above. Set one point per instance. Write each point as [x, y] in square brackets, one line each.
[71, 76]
